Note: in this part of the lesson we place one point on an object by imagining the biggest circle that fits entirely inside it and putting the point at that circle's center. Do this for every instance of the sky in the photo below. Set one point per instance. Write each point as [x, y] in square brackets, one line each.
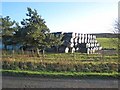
[82, 17]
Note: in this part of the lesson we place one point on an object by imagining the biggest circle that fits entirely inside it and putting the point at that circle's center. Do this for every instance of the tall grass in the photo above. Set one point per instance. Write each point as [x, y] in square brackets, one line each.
[60, 62]
[57, 57]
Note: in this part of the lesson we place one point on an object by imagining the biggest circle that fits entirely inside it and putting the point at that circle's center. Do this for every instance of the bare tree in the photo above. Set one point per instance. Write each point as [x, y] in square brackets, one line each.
[117, 32]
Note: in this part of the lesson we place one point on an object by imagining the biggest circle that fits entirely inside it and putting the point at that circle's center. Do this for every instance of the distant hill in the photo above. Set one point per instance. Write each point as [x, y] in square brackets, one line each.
[105, 35]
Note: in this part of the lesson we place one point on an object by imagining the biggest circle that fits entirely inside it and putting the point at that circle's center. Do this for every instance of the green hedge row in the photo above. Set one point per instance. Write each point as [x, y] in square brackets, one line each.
[73, 67]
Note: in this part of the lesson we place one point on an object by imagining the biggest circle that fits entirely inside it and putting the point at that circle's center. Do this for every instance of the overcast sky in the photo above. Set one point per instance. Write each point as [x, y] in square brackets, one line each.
[82, 17]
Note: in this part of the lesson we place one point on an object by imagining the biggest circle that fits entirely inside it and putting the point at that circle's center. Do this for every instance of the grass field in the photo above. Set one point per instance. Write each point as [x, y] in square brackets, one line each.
[60, 57]
[58, 62]
[63, 64]
[60, 74]
[108, 43]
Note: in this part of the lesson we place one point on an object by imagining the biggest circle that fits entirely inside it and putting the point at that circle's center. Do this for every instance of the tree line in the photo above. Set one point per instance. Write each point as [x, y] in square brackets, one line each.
[33, 33]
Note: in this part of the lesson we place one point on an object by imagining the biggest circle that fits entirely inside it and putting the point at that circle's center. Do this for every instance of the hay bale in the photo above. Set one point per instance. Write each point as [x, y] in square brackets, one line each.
[73, 50]
[66, 50]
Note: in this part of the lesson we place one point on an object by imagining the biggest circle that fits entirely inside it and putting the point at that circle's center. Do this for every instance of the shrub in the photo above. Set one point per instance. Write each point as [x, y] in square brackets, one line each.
[60, 66]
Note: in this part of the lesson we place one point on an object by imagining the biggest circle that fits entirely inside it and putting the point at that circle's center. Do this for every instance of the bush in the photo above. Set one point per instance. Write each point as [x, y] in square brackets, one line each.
[73, 67]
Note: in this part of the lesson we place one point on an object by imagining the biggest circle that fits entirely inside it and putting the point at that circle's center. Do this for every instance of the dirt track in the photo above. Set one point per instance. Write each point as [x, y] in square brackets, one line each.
[35, 82]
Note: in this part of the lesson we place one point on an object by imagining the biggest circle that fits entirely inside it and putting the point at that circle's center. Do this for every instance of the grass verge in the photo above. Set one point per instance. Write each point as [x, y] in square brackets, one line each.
[60, 74]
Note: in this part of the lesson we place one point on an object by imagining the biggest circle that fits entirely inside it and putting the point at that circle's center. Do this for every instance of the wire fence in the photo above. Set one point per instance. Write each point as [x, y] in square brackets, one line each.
[57, 57]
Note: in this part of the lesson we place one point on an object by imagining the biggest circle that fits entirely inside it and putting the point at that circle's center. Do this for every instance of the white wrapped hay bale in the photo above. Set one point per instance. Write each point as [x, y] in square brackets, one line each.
[73, 50]
[73, 34]
[79, 35]
[87, 45]
[66, 50]
[95, 44]
[91, 50]
[88, 36]
[85, 40]
[93, 41]
[88, 51]
[75, 40]
[100, 48]
[91, 45]
[91, 36]
[98, 44]
[82, 36]
[94, 49]
[76, 34]
[79, 40]
[88, 40]
[96, 41]
[72, 40]
[84, 43]
[82, 40]
[72, 45]
[77, 49]
[94, 37]
[75, 44]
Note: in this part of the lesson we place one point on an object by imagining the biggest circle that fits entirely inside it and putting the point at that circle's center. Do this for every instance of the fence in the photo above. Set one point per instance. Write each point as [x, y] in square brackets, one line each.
[78, 57]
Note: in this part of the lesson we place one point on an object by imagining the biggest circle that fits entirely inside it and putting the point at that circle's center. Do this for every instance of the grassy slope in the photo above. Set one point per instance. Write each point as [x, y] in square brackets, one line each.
[108, 42]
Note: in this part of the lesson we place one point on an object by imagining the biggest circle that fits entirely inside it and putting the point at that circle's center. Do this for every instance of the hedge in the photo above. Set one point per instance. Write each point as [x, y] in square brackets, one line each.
[107, 67]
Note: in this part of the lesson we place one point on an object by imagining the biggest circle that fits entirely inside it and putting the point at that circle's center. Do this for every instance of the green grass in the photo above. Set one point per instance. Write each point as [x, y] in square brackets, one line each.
[57, 64]
[59, 57]
[108, 43]
[60, 74]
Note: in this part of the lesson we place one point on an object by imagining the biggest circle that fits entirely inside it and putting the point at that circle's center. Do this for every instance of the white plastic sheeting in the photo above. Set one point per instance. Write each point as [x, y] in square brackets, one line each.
[80, 42]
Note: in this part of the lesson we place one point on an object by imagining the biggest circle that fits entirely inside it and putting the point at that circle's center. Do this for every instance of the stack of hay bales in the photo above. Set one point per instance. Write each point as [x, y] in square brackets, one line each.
[87, 43]
[78, 42]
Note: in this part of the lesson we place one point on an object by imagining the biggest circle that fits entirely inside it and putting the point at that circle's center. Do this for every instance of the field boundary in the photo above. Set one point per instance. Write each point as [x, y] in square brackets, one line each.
[50, 74]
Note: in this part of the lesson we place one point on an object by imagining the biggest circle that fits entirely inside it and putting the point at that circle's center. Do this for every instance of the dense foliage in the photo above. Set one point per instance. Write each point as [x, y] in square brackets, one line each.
[33, 34]
[73, 67]
[8, 30]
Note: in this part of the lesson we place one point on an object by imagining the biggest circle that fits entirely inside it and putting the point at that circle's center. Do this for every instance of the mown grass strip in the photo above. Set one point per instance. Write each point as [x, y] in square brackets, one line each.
[60, 74]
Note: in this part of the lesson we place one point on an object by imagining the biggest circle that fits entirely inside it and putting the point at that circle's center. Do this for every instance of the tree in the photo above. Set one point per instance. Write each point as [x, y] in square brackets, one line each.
[56, 40]
[117, 31]
[8, 29]
[18, 38]
[34, 30]
[53, 40]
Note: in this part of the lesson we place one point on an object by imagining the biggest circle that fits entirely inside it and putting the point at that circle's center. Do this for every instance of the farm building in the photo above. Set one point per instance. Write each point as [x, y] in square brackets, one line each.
[77, 42]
